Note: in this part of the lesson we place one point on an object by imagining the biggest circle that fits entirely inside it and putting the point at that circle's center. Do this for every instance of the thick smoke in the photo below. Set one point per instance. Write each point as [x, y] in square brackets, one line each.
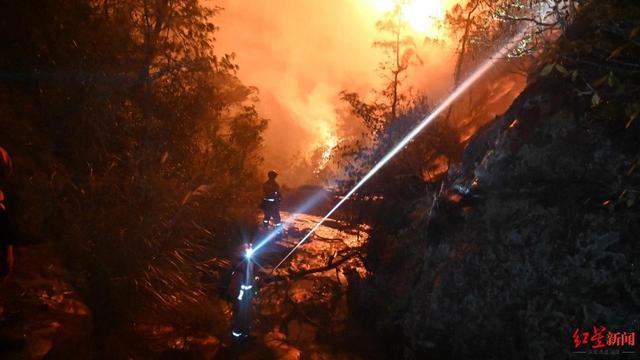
[301, 54]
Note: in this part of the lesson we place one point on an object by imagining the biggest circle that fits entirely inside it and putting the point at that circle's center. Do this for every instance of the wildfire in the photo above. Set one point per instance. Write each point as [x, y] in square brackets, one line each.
[422, 16]
[330, 143]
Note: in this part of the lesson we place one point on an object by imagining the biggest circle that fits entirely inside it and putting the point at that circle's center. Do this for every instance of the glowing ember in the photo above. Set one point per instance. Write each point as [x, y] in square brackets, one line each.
[330, 144]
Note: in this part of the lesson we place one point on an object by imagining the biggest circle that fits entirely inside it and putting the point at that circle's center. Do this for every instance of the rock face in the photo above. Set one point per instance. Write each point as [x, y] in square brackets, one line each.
[546, 242]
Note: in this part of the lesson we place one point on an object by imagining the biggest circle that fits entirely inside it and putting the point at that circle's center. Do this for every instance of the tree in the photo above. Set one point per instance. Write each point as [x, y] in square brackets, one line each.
[137, 146]
[482, 27]
[485, 26]
[401, 52]
[393, 114]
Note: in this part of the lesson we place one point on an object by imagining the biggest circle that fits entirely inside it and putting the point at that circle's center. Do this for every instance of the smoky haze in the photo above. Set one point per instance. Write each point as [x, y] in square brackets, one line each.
[300, 55]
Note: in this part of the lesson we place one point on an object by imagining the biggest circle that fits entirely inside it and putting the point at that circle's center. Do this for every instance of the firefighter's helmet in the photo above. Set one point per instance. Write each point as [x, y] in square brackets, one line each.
[272, 174]
[6, 165]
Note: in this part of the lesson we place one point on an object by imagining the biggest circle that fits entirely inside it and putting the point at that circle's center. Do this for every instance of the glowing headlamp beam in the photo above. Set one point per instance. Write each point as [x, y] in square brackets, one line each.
[294, 215]
[411, 135]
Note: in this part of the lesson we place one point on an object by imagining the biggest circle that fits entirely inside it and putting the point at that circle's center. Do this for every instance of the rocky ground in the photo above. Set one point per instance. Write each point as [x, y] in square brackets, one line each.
[534, 237]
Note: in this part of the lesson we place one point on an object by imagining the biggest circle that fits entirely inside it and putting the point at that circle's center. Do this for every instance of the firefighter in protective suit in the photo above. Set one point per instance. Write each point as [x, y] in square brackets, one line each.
[271, 200]
[242, 290]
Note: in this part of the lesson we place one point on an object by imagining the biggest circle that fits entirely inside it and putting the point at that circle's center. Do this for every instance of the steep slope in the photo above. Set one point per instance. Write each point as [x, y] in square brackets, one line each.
[546, 240]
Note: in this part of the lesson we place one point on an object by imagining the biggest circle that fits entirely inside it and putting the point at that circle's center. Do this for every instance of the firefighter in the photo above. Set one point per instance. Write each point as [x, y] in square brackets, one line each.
[271, 200]
[7, 238]
[242, 290]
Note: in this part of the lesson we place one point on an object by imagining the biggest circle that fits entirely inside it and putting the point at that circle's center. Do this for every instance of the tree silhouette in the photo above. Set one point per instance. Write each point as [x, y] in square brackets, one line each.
[136, 148]
[400, 53]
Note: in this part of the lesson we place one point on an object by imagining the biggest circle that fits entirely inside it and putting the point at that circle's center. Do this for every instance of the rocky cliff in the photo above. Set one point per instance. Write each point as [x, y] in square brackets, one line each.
[538, 234]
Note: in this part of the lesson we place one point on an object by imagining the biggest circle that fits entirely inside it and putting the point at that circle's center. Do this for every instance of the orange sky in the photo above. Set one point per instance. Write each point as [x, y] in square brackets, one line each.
[302, 53]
